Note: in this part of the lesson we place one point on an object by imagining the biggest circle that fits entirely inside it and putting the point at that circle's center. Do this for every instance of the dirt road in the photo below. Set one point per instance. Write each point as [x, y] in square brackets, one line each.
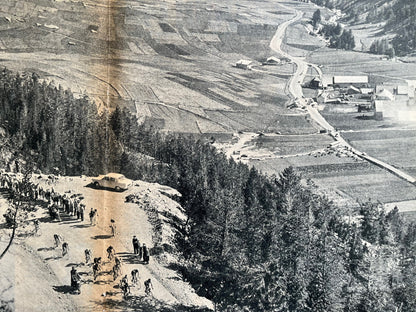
[130, 219]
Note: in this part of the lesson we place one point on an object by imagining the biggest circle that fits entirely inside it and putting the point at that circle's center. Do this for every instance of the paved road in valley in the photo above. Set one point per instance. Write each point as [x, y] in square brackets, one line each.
[294, 87]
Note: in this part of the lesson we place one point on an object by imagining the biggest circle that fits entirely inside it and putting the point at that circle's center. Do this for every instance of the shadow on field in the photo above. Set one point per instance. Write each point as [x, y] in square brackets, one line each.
[129, 258]
[365, 117]
[101, 236]
[46, 248]
[45, 219]
[102, 282]
[74, 264]
[80, 226]
[68, 220]
[91, 185]
[53, 258]
[4, 226]
[64, 289]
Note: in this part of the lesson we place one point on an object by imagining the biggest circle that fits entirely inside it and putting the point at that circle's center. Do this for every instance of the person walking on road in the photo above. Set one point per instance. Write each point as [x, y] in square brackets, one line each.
[95, 217]
[81, 211]
[91, 216]
[113, 228]
[58, 239]
[75, 280]
[146, 255]
[65, 249]
[136, 245]
[36, 225]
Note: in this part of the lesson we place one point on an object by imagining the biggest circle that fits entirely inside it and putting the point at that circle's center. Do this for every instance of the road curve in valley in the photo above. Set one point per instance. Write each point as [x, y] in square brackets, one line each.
[294, 87]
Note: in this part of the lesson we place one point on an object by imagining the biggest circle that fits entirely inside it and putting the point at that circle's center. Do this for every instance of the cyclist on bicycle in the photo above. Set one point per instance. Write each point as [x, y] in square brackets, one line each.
[87, 253]
[110, 252]
[148, 287]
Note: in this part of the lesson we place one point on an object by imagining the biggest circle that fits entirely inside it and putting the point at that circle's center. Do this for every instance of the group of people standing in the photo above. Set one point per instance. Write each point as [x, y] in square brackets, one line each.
[72, 206]
[57, 203]
[141, 251]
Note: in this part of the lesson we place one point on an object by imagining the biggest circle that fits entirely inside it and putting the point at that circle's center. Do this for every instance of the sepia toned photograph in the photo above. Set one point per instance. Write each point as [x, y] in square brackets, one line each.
[208, 156]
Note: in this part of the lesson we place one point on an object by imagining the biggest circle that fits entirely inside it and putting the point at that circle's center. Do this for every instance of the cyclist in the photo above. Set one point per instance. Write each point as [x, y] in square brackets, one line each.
[135, 276]
[148, 287]
[87, 253]
[110, 252]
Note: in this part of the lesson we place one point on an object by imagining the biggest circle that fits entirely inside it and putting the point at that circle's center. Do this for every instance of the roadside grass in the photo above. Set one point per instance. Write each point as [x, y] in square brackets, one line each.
[390, 150]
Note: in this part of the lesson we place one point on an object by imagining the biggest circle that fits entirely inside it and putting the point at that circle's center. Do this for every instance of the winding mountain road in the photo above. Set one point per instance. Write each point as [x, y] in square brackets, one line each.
[294, 87]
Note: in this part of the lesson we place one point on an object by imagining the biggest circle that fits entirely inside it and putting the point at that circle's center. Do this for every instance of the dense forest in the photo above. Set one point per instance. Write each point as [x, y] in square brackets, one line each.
[338, 37]
[251, 242]
[398, 18]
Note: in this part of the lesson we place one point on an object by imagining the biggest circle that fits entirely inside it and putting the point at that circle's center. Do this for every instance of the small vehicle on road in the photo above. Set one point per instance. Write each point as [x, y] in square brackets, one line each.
[114, 181]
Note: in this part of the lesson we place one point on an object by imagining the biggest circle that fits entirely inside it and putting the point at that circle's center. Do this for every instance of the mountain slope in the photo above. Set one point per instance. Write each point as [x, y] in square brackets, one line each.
[396, 17]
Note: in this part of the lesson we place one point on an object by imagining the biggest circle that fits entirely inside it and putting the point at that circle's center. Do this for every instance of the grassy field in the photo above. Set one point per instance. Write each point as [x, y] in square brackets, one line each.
[395, 147]
[156, 54]
[354, 121]
[293, 144]
[354, 63]
[344, 179]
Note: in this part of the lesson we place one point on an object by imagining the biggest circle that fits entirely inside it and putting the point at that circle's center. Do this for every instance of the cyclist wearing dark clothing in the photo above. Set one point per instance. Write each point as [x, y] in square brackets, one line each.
[146, 255]
[148, 287]
[136, 245]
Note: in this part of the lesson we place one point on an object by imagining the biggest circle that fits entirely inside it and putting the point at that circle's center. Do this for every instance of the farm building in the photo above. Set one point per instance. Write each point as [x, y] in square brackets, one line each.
[244, 64]
[367, 90]
[366, 107]
[405, 90]
[272, 60]
[401, 90]
[385, 95]
[315, 83]
[346, 81]
[353, 90]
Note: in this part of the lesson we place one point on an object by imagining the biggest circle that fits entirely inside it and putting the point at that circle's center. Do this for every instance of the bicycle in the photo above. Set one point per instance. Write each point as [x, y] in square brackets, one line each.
[148, 287]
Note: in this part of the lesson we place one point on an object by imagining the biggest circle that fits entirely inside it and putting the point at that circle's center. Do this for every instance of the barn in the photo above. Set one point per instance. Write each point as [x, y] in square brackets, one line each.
[346, 81]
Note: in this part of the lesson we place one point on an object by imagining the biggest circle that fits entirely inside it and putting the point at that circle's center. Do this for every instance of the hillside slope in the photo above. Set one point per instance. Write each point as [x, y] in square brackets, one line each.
[52, 273]
[394, 18]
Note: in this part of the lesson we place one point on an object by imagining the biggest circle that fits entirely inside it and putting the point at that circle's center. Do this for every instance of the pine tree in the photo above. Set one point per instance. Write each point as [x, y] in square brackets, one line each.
[316, 18]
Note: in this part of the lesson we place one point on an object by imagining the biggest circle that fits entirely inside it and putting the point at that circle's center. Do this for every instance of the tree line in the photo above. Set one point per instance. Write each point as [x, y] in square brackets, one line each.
[397, 17]
[338, 37]
[251, 241]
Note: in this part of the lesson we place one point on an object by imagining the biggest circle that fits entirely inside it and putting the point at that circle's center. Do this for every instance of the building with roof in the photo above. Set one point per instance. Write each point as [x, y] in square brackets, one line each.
[385, 95]
[367, 90]
[272, 60]
[315, 83]
[244, 64]
[401, 90]
[353, 90]
[346, 81]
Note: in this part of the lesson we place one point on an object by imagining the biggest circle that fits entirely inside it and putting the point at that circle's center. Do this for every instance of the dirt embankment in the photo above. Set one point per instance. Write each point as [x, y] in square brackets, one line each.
[37, 275]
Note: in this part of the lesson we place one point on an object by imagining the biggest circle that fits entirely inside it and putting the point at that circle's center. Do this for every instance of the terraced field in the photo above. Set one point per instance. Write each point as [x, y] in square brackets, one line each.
[170, 62]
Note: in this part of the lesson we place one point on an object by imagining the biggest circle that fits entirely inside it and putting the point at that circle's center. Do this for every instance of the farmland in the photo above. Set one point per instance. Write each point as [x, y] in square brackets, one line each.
[380, 143]
[356, 63]
[172, 64]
